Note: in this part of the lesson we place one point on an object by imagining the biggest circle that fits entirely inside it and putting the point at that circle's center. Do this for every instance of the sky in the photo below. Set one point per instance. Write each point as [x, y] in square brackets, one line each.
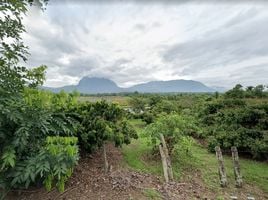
[218, 44]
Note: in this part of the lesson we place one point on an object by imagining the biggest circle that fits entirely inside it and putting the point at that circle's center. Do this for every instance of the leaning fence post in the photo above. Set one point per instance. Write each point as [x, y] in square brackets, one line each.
[238, 177]
[165, 149]
[106, 164]
[164, 163]
[221, 169]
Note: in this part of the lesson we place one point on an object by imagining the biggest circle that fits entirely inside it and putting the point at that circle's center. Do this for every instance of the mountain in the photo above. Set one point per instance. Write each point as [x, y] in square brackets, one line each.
[171, 86]
[97, 85]
[93, 85]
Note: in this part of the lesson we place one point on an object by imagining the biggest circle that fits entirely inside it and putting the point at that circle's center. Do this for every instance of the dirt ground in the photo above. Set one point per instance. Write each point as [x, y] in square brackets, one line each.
[89, 182]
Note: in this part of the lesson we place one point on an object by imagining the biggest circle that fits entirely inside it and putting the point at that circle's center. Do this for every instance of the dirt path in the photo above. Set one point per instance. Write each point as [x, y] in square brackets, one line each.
[89, 182]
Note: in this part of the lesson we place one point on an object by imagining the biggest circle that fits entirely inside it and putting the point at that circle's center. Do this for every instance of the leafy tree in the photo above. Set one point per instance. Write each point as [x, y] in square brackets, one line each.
[12, 49]
[236, 92]
[231, 122]
[173, 127]
[258, 91]
[101, 122]
[137, 104]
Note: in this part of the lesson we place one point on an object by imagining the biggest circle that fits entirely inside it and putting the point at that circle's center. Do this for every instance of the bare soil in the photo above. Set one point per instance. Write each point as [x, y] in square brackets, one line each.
[89, 182]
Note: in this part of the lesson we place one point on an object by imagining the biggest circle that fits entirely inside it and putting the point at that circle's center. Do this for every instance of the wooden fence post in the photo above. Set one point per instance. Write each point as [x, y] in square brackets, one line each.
[106, 164]
[164, 163]
[238, 177]
[165, 149]
[221, 169]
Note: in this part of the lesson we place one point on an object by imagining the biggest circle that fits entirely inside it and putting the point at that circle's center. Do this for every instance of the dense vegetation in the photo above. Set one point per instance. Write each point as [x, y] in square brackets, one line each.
[237, 122]
[42, 133]
[236, 118]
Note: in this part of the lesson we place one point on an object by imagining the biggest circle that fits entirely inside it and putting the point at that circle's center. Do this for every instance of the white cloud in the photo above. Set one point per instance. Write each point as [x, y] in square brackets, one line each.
[133, 42]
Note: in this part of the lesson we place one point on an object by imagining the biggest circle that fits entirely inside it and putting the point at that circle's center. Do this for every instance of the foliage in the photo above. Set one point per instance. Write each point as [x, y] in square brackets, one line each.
[250, 92]
[137, 104]
[172, 126]
[147, 117]
[184, 148]
[14, 77]
[100, 122]
[63, 155]
[54, 162]
[24, 128]
[232, 122]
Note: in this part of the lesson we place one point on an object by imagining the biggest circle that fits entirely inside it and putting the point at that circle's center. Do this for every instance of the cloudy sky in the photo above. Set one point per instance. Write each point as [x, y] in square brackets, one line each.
[129, 43]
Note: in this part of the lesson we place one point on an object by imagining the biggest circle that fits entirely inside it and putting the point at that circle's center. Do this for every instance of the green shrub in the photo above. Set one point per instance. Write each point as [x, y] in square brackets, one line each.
[62, 157]
[173, 127]
[24, 128]
[236, 124]
[100, 122]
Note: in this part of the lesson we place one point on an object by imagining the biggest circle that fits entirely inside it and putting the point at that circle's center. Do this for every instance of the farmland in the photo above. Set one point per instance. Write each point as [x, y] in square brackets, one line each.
[66, 144]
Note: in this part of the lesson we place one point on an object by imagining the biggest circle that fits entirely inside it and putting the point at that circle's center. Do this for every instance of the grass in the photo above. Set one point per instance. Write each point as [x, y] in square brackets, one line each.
[136, 152]
[255, 174]
[121, 100]
[152, 194]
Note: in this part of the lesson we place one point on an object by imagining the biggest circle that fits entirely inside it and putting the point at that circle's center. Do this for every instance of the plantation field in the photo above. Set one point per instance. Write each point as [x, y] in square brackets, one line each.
[128, 146]
[121, 100]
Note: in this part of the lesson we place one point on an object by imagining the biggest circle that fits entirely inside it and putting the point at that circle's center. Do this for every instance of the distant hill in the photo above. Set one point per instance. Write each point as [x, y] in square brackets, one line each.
[171, 86]
[95, 85]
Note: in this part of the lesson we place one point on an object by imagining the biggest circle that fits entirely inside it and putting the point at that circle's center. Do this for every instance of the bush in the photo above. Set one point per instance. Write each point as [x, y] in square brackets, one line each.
[24, 128]
[183, 150]
[173, 127]
[237, 124]
[100, 122]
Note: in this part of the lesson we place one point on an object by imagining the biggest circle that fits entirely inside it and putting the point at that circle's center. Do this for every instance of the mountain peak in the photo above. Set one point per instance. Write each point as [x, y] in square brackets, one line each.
[94, 85]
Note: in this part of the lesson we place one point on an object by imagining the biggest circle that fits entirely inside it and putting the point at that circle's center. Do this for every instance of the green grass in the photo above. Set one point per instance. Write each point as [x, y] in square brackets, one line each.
[152, 194]
[121, 100]
[135, 153]
[254, 173]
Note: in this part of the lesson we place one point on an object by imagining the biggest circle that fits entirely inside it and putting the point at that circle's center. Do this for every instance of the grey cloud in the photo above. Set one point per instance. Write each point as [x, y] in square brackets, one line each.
[221, 47]
[55, 42]
[79, 67]
[122, 61]
[242, 17]
[108, 52]
[140, 27]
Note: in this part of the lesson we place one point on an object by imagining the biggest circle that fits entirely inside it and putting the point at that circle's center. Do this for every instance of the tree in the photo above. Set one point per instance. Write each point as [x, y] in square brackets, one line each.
[173, 127]
[137, 104]
[259, 91]
[14, 77]
[236, 92]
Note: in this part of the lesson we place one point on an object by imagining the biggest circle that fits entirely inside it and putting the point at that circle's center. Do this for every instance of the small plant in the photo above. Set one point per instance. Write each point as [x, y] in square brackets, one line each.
[184, 147]
[63, 156]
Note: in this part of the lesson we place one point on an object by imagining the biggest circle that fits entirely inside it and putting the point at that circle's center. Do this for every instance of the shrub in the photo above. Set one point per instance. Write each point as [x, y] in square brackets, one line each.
[173, 127]
[100, 122]
[238, 124]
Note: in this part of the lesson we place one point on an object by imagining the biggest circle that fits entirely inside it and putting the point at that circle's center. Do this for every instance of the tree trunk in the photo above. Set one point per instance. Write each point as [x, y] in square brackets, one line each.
[165, 149]
[106, 165]
[222, 172]
[238, 177]
[164, 163]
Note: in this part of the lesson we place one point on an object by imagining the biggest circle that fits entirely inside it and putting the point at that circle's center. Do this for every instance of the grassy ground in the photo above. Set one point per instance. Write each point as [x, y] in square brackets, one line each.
[121, 100]
[255, 174]
[137, 152]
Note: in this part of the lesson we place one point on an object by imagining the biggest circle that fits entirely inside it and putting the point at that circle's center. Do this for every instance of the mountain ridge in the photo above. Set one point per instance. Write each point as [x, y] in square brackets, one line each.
[95, 85]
